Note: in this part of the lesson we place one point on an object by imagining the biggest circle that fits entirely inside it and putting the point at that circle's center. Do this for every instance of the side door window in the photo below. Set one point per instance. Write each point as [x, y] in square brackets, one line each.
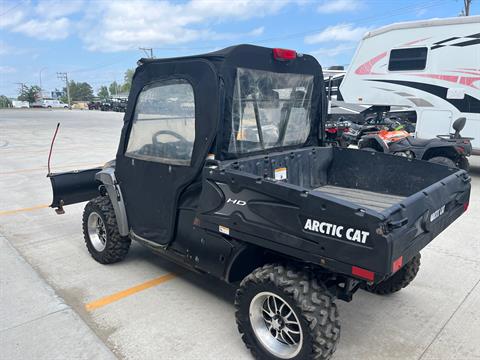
[163, 128]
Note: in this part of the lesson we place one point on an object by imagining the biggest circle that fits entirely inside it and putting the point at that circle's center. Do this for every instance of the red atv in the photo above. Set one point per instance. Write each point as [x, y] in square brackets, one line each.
[451, 150]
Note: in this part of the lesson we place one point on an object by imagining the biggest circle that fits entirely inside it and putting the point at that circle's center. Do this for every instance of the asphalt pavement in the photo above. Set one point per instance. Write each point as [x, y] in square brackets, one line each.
[56, 302]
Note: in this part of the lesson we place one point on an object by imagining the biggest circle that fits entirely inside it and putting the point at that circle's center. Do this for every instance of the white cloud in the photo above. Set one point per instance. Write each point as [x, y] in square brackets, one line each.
[7, 70]
[420, 12]
[11, 19]
[257, 32]
[340, 32]
[125, 25]
[238, 9]
[121, 25]
[52, 9]
[334, 51]
[334, 6]
[45, 29]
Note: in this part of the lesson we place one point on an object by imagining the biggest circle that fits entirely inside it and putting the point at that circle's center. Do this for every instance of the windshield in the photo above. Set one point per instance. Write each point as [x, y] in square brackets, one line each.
[269, 110]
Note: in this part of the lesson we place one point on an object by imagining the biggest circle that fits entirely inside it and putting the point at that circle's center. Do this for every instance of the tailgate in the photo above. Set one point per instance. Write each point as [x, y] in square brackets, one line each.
[419, 218]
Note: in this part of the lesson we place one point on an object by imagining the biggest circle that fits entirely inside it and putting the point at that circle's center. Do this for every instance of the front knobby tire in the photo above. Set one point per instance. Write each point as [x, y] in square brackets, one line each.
[283, 313]
[401, 279]
[101, 234]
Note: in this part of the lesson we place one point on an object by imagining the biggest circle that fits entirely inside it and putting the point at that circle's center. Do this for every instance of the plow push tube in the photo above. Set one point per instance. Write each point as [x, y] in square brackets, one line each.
[73, 187]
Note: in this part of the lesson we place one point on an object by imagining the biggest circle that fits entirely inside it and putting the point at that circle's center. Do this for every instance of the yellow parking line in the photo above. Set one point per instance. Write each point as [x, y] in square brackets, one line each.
[124, 293]
[11, 212]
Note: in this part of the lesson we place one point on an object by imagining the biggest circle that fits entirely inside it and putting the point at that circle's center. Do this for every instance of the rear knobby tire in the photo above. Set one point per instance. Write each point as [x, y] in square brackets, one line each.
[464, 164]
[442, 160]
[113, 247]
[402, 278]
[312, 306]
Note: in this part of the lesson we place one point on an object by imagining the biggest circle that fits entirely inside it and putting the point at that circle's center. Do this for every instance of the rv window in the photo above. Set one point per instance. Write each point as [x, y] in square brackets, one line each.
[408, 59]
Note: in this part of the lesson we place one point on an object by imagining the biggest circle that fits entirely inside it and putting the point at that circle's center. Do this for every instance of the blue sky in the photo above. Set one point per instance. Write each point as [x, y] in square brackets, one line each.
[97, 40]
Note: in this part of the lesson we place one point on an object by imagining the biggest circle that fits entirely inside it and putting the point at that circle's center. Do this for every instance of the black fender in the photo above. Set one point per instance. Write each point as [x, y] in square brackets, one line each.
[107, 177]
[78, 186]
[375, 142]
[245, 259]
[446, 151]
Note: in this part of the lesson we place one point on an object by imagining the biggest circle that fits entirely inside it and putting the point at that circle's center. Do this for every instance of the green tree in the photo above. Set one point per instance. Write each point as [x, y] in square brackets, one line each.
[127, 80]
[114, 88]
[103, 93]
[5, 102]
[80, 91]
[30, 94]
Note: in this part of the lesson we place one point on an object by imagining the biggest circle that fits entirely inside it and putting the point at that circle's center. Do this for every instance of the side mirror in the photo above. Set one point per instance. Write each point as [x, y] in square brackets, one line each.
[459, 124]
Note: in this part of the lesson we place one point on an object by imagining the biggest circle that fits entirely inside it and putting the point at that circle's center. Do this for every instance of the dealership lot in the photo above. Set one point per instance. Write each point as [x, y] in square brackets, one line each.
[146, 307]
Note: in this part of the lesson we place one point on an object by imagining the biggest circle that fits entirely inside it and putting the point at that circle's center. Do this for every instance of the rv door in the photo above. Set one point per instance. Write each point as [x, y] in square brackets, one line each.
[431, 123]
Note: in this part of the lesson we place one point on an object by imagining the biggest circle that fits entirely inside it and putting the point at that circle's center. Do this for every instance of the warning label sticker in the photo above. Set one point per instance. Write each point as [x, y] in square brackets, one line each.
[281, 173]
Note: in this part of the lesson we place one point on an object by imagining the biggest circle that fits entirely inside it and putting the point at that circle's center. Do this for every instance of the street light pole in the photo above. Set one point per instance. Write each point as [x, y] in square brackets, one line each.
[41, 88]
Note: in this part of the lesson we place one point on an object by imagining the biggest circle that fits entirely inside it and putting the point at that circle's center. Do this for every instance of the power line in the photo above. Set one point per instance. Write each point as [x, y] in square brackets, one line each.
[145, 51]
[12, 8]
[395, 12]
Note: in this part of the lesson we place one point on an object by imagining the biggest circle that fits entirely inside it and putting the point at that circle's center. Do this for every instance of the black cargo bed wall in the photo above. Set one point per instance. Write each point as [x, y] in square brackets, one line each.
[306, 167]
[382, 173]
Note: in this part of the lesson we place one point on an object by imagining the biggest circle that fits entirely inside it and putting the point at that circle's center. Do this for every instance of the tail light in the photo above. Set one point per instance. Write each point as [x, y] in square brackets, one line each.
[347, 129]
[284, 54]
[465, 206]
[397, 264]
[331, 130]
[363, 273]
[460, 149]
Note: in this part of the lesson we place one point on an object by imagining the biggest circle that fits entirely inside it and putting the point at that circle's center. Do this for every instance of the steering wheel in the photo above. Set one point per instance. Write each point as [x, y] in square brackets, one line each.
[167, 132]
[179, 149]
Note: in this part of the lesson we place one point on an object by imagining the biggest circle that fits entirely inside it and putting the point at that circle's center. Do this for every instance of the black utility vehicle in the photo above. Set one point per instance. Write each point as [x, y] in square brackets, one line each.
[221, 168]
[450, 150]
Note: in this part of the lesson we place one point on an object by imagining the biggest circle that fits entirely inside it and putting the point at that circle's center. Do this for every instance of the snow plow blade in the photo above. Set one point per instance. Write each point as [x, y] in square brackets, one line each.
[73, 187]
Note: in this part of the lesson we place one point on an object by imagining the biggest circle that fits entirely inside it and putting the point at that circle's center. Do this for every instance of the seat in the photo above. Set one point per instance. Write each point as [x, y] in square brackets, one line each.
[418, 142]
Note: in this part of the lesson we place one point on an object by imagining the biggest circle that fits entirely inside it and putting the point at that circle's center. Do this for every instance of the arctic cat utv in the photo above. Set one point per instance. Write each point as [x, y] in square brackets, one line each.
[221, 168]
[450, 150]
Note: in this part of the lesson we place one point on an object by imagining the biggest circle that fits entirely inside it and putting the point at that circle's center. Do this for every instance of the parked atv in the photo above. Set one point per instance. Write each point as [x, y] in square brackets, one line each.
[334, 133]
[449, 150]
[201, 178]
[372, 125]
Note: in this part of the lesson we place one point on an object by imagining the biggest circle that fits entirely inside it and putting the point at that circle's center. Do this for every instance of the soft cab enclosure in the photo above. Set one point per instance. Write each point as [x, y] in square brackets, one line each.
[227, 147]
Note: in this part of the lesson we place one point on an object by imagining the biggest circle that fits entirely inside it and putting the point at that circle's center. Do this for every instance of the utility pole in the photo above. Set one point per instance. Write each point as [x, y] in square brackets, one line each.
[22, 86]
[146, 50]
[466, 9]
[64, 77]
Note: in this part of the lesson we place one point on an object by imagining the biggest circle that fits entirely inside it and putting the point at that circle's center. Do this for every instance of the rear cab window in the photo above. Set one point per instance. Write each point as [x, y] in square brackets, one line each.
[163, 128]
[269, 110]
[408, 59]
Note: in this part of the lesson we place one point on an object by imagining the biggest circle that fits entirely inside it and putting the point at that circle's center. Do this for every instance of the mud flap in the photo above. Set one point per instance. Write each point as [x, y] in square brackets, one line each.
[73, 187]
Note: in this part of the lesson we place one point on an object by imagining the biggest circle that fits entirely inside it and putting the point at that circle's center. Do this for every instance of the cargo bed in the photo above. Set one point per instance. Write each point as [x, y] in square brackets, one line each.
[333, 206]
[365, 198]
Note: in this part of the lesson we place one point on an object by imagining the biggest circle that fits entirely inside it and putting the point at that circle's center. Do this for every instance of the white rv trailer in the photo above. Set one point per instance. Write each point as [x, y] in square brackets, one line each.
[432, 66]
